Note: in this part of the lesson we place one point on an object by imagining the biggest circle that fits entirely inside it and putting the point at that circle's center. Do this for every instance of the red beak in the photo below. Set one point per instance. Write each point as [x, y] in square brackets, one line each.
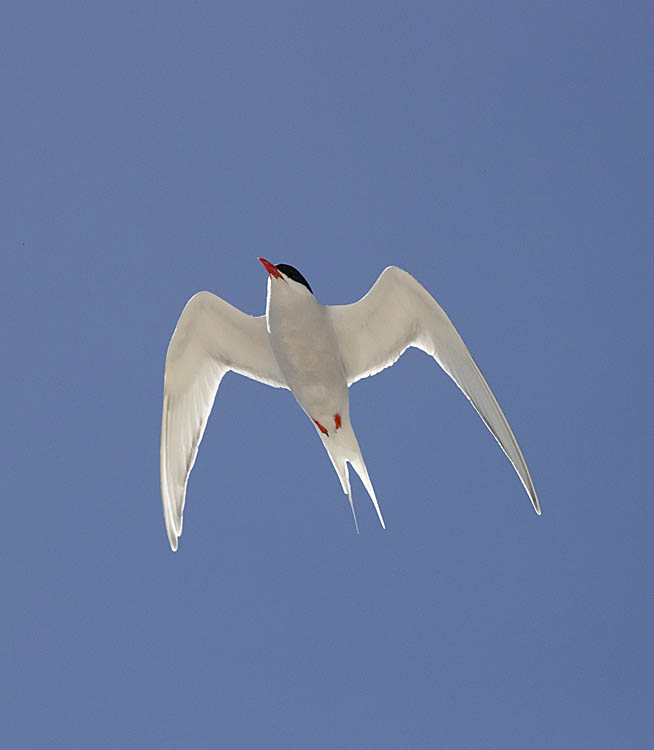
[270, 268]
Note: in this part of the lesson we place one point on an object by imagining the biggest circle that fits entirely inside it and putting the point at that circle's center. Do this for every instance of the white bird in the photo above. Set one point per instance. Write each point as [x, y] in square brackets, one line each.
[317, 351]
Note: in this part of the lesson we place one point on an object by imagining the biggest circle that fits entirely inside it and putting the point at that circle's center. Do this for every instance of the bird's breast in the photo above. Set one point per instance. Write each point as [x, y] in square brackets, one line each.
[307, 353]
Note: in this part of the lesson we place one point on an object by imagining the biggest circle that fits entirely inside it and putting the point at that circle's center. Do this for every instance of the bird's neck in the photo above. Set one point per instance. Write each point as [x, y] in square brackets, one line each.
[287, 306]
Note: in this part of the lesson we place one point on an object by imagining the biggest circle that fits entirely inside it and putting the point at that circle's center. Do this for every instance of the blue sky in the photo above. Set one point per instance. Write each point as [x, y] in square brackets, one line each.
[501, 153]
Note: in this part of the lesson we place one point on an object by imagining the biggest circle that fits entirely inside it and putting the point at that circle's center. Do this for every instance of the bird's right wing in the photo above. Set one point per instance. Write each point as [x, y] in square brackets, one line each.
[211, 338]
[397, 313]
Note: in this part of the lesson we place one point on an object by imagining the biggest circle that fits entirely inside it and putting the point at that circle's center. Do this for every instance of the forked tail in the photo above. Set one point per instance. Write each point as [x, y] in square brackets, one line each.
[343, 448]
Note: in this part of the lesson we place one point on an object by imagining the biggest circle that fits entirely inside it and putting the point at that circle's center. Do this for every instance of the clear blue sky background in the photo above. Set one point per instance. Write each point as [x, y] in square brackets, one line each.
[502, 153]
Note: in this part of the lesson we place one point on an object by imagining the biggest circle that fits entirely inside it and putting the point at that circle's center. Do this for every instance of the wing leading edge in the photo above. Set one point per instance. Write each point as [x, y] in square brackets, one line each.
[211, 338]
[398, 312]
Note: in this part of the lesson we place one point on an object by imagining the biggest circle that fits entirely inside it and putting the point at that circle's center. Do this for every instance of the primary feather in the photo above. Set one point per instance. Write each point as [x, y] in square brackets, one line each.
[211, 338]
[397, 313]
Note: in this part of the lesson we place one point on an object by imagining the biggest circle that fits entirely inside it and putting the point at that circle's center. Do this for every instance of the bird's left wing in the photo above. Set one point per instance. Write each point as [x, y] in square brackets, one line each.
[211, 338]
[397, 313]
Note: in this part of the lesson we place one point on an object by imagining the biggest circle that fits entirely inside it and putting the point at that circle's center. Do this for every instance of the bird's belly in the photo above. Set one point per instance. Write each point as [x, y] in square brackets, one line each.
[313, 371]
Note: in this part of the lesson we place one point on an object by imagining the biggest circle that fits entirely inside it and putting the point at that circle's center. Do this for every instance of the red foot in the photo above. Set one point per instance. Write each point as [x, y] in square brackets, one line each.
[337, 421]
[321, 428]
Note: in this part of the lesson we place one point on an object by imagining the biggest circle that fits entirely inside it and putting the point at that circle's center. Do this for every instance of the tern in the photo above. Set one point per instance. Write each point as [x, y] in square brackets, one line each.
[316, 351]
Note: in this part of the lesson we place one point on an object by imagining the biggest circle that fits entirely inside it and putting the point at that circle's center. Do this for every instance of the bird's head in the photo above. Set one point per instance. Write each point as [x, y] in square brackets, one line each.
[285, 273]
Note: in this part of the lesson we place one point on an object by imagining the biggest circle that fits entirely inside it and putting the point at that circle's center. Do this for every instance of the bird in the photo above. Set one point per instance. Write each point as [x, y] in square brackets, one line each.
[317, 352]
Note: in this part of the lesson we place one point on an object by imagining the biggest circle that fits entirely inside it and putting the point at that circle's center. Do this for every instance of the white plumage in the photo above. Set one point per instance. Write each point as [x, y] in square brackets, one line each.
[316, 351]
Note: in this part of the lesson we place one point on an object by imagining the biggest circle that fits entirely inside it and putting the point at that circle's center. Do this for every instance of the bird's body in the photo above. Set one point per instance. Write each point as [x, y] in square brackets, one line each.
[317, 352]
[305, 347]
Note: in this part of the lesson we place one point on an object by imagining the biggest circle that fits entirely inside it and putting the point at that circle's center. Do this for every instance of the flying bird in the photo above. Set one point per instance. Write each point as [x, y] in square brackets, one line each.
[316, 351]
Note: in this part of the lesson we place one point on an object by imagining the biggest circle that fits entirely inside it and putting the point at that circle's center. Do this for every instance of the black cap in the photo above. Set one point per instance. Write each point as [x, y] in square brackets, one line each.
[294, 274]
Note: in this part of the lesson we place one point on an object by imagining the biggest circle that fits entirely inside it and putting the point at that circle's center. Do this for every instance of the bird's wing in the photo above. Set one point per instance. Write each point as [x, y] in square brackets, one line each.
[211, 338]
[397, 313]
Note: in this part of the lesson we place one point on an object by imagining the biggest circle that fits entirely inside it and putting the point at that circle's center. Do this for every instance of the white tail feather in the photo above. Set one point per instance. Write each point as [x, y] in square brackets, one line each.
[349, 495]
[343, 448]
[360, 468]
